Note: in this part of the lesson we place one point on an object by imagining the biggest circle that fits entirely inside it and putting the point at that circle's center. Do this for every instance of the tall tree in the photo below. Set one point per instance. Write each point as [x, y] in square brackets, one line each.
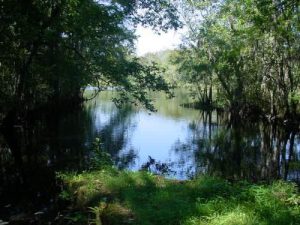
[252, 49]
[52, 49]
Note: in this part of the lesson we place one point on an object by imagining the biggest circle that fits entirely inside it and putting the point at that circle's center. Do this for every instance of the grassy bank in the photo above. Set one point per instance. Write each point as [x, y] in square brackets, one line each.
[116, 197]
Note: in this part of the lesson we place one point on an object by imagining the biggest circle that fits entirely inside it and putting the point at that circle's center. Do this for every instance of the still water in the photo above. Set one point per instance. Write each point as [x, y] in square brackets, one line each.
[185, 141]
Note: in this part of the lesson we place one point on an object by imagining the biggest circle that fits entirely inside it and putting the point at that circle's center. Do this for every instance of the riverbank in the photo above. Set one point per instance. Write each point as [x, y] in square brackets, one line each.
[110, 196]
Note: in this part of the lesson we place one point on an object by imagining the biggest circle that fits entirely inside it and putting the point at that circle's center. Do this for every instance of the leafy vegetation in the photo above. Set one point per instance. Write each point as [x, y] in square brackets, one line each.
[109, 196]
[241, 55]
[163, 60]
[51, 50]
[244, 54]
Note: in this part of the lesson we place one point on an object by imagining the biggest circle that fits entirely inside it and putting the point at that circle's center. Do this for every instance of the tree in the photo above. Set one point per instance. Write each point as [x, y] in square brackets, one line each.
[252, 48]
[50, 50]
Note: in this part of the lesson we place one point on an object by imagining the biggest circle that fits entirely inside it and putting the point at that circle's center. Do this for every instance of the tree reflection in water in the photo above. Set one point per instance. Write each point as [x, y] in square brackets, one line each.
[30, 156]
[240, 150]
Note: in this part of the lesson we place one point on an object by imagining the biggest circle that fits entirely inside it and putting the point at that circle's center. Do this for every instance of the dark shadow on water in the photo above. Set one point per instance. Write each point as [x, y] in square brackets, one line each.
[30, 155]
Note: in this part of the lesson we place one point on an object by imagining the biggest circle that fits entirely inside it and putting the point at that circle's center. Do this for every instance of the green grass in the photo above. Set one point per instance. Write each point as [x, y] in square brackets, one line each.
[119, 197]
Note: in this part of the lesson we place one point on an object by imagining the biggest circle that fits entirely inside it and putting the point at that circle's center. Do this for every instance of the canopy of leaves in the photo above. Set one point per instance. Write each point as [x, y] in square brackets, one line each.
[50, 50]
[248, 49]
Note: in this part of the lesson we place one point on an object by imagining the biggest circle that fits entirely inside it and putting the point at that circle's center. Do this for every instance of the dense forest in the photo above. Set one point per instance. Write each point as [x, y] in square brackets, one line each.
[51, 50]
[239, 55]
[206, 133]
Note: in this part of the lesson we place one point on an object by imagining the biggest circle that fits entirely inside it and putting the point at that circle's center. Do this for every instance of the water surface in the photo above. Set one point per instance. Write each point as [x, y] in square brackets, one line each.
[186, 141]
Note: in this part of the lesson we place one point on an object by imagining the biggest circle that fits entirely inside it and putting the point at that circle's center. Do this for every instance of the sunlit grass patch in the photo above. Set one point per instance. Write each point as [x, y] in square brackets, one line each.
[234, 217]
[143, 198]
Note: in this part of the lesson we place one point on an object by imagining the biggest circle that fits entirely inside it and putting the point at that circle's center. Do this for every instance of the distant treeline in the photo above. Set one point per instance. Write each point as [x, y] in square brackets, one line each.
[241, 55]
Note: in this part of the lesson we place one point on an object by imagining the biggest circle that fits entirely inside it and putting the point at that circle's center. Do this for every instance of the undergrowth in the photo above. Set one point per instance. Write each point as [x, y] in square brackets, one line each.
[109, 196]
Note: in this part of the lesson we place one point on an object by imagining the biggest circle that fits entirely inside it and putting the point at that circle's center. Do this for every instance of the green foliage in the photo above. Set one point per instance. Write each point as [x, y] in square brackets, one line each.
[65, 195]
[100, 158]
[142, 198]
[51, 50]
[247, 50]
[163, 60]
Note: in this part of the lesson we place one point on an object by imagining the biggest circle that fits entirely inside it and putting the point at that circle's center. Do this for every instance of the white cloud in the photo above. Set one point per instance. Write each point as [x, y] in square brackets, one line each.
[149, 41]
